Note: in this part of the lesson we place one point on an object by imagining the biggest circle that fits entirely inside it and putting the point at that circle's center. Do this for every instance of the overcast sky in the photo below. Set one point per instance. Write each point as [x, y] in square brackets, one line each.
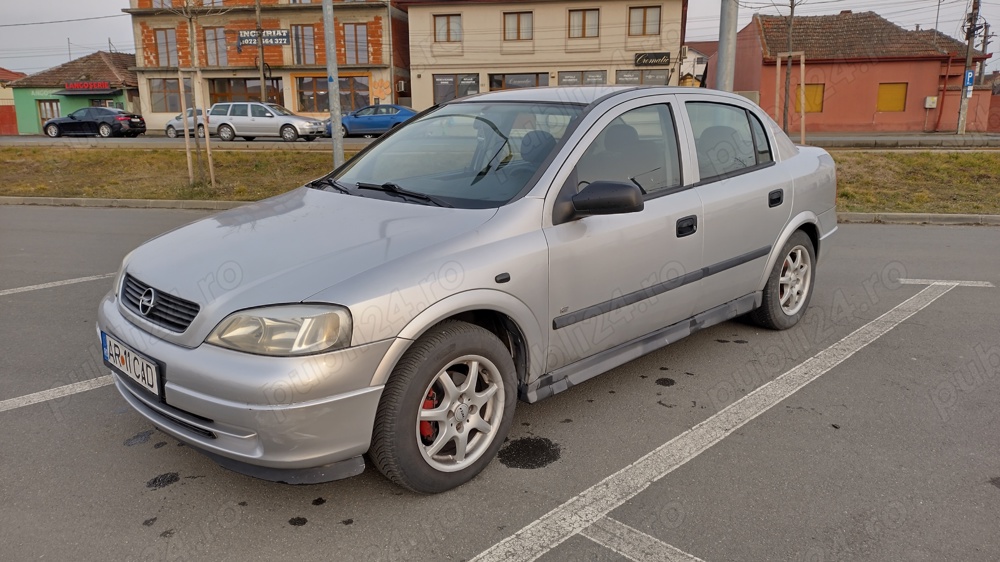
[31, 48]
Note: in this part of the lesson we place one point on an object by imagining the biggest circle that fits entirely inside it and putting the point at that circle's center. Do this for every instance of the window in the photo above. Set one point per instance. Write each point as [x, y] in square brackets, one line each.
[219, 109]
[761, 145]
[656, 77]
[166, 47]
[303, 45]
[723, 140]
[257, 110]
[513, 81]
[386, 110]
[585, 78]
[583, 23]
[314, 96]
[239, 110]
[102, 103]
[448, 29]
[814, 98]
[448, 87]
[639, 147]
[215, 46]
[243, 89]
[162, 3]
[892, 97]
[644, 20]
[356, 42]
[517, 26]
[354, 92]
[211, 2]
[165, 95]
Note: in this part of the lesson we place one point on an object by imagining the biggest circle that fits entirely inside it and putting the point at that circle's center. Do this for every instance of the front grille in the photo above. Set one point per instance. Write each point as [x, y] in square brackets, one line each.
[169, 312]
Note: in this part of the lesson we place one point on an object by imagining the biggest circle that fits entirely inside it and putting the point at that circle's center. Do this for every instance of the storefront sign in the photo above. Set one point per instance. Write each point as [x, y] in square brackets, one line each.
[269, 36]
[88, 85]
[652, 59]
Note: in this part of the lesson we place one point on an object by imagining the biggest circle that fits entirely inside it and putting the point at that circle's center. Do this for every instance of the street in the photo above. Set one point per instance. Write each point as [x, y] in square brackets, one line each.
[867, 432]
[149, 142]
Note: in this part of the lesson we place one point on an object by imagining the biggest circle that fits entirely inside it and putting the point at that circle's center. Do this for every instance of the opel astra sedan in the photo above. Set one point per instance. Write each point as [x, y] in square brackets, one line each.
[499, 247]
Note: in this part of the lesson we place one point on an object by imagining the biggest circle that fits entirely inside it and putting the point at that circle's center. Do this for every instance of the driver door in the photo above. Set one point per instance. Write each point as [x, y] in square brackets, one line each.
[77, 123]
[616, 278]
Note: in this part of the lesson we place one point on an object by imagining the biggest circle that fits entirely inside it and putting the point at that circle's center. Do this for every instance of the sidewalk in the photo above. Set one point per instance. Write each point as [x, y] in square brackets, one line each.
[901, 140]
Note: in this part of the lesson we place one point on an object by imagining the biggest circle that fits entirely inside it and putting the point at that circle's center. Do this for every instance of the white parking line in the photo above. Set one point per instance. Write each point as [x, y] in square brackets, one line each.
[6, 292]
[594, 503]
[984, 284]
[633, 543]
[53, 393]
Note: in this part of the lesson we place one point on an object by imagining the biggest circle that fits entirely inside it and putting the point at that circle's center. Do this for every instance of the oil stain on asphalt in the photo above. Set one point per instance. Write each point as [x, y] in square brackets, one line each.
[529, 453]
[163, 480]
[297, 521]
[319, 501]
[665, 381]
[139, 438]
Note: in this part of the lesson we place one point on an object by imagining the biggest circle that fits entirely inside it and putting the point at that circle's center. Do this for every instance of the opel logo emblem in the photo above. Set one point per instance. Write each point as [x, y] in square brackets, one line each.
[147, 301]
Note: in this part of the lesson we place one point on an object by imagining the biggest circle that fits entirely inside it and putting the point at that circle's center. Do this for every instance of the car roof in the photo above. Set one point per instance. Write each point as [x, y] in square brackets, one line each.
[584, 95]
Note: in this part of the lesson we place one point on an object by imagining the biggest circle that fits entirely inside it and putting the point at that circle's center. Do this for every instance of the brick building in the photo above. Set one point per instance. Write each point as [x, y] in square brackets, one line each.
[371, 41]
[863, 74]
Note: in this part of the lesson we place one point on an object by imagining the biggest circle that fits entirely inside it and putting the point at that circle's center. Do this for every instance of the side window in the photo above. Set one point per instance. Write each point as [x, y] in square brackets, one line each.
[238, 110]
[366, 111]
[722, 138]
[639, 147]
[219, 109]
[760, 141]
[259, 111]
[384, 110]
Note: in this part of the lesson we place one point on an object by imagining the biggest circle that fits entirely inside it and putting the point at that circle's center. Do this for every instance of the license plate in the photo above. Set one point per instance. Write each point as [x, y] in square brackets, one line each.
[131, 364]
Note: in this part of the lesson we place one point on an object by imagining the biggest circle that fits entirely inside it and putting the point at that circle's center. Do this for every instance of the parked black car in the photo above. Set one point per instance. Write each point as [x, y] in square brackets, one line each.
[101, 121]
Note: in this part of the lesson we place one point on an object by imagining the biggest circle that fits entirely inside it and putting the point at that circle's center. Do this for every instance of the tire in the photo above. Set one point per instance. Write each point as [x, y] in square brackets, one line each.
[289, 134]
[52, 130]
[789, 286]
[343, 131]
[171, 132]
[105, 130]
[226, 133]
[408, 451]
[201, 131]
[248, 139]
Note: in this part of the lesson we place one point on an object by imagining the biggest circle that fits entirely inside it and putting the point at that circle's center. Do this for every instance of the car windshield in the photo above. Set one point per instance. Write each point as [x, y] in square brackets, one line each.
[279, 110]
[469, 155]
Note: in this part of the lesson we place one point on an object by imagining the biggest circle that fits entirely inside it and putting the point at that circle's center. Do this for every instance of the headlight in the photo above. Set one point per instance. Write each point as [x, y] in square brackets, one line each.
[121, 273]
[285, 330]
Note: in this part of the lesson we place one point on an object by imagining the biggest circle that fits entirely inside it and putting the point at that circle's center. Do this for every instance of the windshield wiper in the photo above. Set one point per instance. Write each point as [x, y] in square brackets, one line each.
[333, 183]
[394, 189]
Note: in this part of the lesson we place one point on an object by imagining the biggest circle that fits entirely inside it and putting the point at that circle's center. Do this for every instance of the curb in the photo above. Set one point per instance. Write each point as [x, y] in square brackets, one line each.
[842, 217]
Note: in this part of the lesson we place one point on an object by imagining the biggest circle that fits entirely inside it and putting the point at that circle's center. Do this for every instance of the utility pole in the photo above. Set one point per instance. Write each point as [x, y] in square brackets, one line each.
[728, 24]
[333, 84]
[986, 46]
[937, 19]
[970, 39]
[788, 69]
[260, 55]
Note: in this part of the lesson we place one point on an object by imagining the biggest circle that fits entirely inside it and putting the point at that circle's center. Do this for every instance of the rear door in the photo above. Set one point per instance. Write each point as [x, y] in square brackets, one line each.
[239, 118]
[747, 196]
[616, 278]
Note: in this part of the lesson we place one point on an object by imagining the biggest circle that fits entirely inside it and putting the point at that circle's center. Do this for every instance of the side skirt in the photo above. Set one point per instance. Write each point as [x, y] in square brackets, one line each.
[585, 369]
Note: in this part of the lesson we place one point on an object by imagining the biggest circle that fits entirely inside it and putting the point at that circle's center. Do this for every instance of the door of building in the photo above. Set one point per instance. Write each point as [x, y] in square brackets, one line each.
[47, 109]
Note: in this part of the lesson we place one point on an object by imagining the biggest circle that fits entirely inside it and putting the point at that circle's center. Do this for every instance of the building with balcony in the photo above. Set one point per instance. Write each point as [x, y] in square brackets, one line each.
[458, 48]
[371, 46]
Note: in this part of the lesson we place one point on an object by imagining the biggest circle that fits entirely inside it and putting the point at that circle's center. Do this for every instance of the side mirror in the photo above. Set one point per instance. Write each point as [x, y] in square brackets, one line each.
[607, 198]
[268, 115]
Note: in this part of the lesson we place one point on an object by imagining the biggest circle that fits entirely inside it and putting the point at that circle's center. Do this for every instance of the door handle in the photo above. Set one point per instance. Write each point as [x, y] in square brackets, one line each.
[776, 198]
[687, 226]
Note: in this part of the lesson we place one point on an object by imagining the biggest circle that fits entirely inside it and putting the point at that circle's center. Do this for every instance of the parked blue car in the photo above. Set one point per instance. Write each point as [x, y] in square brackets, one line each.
[373, 120]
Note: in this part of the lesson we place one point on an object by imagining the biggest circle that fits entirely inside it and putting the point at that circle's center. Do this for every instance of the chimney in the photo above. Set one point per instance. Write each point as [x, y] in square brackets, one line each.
[846, 12]
[918, 27]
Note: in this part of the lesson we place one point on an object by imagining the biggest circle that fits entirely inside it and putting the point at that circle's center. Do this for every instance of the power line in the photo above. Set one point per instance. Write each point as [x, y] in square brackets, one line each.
[61, 21]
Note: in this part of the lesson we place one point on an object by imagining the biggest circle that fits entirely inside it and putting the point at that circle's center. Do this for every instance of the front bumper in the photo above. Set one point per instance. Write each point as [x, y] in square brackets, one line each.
[276, 414]
[311, 130]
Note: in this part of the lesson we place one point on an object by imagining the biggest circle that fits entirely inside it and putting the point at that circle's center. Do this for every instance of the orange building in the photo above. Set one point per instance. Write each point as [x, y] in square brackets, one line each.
[863, 74]
[371, 44]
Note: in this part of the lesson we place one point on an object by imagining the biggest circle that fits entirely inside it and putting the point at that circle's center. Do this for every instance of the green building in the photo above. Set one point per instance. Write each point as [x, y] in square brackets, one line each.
[99, 79]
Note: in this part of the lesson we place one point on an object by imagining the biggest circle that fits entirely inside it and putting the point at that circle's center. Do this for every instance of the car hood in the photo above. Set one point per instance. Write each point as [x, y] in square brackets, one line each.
[286, 249]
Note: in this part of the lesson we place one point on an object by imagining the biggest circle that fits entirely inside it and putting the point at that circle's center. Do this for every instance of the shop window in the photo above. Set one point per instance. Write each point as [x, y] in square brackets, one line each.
[224, 90]
[892, 97]
[584, 23]
[448, 87]
[354, 93]
[655, 77]
[313, 94]
[448, 28]
[517, 26]
[513, 81]
[583, 78]
[166, 47]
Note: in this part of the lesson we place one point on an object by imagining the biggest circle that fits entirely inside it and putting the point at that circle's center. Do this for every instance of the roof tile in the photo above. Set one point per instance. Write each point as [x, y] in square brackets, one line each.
[98, 67]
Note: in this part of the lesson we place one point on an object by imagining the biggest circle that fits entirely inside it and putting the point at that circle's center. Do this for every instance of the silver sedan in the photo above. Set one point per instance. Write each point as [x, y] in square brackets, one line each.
[499, 247]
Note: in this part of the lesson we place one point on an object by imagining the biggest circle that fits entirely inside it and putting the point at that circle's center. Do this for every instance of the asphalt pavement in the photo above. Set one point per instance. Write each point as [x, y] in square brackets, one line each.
[149, 142]
[868, 432]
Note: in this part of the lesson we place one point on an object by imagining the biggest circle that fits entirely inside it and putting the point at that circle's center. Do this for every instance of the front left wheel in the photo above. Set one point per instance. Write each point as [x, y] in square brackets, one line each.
[289, 134]
[446, 409]
[52, 130]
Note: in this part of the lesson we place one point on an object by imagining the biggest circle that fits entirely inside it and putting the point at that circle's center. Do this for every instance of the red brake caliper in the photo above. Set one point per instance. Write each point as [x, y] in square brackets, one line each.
[427, 429]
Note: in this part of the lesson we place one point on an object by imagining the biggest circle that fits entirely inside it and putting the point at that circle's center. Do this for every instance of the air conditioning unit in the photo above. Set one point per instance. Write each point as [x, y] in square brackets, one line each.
[401, 86]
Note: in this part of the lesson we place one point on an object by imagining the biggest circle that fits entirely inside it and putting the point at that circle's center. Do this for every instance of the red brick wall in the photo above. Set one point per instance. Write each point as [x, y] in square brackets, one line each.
[148, 4]
[272, 53]
[401, 43]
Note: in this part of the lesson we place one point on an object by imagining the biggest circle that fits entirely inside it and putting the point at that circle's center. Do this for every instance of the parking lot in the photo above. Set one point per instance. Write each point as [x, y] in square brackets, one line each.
[868, 432]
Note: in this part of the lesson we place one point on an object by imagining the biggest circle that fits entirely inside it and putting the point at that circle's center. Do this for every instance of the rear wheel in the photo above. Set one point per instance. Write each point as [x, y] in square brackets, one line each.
[789, 287]
[289, 134]
[446, 409]
[171, 132]
[343, 131]
[226, 133]
[201, 131]
[52, 130]
[104, 130]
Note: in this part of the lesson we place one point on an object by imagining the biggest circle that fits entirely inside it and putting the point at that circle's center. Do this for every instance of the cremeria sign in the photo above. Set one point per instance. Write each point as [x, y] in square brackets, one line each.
[652, 59]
